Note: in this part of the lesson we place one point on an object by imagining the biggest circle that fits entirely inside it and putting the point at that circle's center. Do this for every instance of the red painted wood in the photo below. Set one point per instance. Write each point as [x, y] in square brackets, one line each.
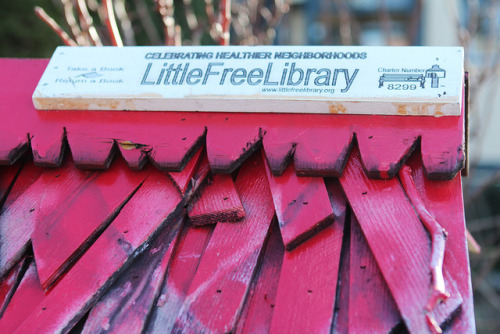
[218, 202]
[136, 155]
[14, 145]
[127, 304]
[259, 305]
[66, 228]
[10, 282]
[323, 151]
[384, 150]
[48, 146]
[306, 293]
[228, 133]
[28, 174]
[25, 299]
[182, 179]
[337, 197]
[444, 201]
[156, 203]
[341, 314]
[216, 295]
[89, 150]
[176, 148]
[7, 177]
[181, 271]
[371, 306]
[19, 214]
[302, 206]
[398, 242]
[279, 144]
[230, 143]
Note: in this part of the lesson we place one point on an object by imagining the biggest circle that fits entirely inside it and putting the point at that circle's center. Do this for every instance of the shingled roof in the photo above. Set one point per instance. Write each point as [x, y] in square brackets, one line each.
[223, 222]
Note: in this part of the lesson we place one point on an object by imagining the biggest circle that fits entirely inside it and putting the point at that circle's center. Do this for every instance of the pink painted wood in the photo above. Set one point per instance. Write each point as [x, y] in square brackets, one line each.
[19, 214]
[391, 226]
[156, 203]
[279, 144]
[230, 143]
[89, 150]
[323, 151]
[22, 176]
[341, 314]
[218, 202]
[443, 199]
[172, 152]
[10, 282]
[27, 296]
[259, 305]
[384, 150]
[66, 228]
[8, 175]
[227, 133]
[48, 149]
[127, 305]
[302, 206]
[215, 297]
[371, 306]
[181, 271]
[306, 293]
[182, 179]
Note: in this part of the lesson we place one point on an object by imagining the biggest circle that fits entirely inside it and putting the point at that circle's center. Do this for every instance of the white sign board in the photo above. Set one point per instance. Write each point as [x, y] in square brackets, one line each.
[284, 79]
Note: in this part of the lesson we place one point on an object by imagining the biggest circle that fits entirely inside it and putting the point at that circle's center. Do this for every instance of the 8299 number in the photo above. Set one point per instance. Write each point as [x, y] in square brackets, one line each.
[401, 87]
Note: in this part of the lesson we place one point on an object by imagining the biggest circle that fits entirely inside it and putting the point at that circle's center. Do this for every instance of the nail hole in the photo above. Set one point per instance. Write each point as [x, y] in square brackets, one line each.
[365, 192]
[305, 203]
[219, 291]
[363, 267]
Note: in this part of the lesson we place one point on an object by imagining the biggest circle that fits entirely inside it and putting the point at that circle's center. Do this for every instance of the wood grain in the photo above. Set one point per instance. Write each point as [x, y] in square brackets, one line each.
[89, 150]
[126, 306]
[218, 202]
[48, 147]
[156, 202]
[182, 179]
[8, 175]
[398, 242]
[217, 292]
[302, 205]
[323, 151]
[384, 150]
[259, 305]
[19, 215]
[229, 144]
[444, 201]
[371, 306]
[305, 300]
[68, 226]
[10, 282]
[27, 296]
[191, 246]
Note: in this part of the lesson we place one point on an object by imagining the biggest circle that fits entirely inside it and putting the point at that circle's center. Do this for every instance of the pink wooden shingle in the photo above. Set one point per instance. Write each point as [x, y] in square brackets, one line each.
[216, 294]
[302, 205]
[218, 202]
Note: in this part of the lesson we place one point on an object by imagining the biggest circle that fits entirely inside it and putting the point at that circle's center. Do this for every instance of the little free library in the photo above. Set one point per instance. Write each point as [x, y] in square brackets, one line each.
[270, 189]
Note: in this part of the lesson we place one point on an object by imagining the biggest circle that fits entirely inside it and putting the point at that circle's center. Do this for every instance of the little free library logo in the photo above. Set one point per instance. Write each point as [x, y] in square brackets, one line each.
[267, 79]
[175, 68]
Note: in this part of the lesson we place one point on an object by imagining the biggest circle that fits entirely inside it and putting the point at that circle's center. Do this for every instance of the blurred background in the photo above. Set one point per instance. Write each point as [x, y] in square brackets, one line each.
[473, 24]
